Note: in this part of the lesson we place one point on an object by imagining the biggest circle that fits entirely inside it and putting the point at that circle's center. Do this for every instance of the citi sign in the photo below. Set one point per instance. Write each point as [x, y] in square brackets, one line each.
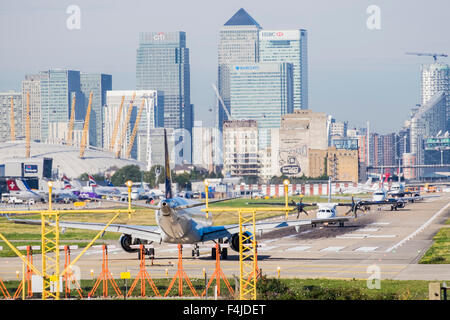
[159, 36]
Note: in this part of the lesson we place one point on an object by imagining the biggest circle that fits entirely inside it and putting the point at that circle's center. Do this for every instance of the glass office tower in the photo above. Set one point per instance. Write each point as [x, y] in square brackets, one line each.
[288, 46]
[238, 44]
[261, 92]
[98, 84]
[57, 87]
[162, 64]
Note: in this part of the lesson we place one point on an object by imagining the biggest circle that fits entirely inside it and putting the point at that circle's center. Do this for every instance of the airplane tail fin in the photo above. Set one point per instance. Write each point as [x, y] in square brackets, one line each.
[168, 192]
[92, 182]
[12, 185]
[66, 181]
[24, 184]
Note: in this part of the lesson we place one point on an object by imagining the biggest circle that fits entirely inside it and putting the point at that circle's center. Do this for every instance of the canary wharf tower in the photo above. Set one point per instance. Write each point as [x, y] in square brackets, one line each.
[238, 44]
[163, 64]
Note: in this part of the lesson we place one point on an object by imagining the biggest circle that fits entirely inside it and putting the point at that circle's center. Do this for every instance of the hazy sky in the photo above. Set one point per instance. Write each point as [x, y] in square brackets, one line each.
[355, 73]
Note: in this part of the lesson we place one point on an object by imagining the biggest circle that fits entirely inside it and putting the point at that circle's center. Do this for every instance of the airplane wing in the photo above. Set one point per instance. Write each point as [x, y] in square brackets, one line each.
[152, 233]
[125, 203]
[216, 232]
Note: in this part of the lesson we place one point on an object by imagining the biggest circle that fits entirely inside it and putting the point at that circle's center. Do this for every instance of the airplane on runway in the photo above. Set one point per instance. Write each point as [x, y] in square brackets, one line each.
[181, 221]
[20, 190]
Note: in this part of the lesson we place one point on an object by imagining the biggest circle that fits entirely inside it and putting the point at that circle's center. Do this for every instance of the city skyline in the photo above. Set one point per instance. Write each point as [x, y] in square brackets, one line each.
[349, 65]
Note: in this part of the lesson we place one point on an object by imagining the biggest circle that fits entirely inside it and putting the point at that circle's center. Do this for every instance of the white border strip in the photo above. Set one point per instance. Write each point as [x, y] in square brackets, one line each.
[418, 230]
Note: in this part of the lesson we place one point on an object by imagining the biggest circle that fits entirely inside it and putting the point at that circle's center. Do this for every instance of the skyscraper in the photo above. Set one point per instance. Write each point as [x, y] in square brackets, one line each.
[32, 85]
[238, 44]
[261, 92]
[162, 64]
[5, 115]
[98, 84]
[288, 46]
[435, 79]
[57, 87]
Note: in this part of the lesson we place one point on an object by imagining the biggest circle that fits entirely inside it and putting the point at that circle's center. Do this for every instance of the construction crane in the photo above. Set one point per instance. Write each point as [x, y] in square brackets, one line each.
[125, 127]
[71, 122]
[85, 128]
[434, 55]
[221, 101]
[27, 128]
[116, 126]
[136, 125]
[13, 130]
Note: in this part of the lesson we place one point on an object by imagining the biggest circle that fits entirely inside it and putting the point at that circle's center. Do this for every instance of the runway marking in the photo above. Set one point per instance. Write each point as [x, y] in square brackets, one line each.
[366, 249]
[379, 224]
[269, 241]
[332, 249]
[267, 248]
[168, 250]
[298, 248]
[350, 237]
[291, 236]
[367, 230]
[422, 227]
[382, 236]
[305, 232]
[100, 251]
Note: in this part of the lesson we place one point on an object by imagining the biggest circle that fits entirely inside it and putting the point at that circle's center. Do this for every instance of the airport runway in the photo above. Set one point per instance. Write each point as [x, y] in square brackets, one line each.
[388, 242]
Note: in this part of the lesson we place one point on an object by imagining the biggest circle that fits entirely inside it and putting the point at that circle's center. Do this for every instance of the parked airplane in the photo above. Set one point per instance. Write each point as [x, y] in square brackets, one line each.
[181, 221]
[360, 188]
[20, 190]
[100, 191]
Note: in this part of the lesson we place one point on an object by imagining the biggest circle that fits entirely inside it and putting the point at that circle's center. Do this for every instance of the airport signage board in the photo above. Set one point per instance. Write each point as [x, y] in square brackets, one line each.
[30, 168]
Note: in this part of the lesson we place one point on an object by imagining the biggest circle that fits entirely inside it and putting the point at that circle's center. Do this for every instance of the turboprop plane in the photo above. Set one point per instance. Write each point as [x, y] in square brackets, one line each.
[181, 221]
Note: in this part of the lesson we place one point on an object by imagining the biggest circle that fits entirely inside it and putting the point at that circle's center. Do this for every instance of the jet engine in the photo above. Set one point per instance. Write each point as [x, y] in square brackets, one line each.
[126, 241]
[234, 240]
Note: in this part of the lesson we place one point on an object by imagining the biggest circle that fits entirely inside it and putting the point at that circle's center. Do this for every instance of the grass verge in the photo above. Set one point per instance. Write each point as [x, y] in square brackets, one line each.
[439, 252]
[270, 288]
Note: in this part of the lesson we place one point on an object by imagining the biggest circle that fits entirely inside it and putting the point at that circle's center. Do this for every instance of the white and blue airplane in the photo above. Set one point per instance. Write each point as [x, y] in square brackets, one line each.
[181, 221]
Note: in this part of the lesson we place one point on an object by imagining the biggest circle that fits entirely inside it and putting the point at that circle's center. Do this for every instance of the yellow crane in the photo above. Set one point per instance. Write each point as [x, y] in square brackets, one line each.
[27, 128]
[125, 127]
[71, 122]
[85, 128]
[116, 125]
[136, 125]
[13, 130]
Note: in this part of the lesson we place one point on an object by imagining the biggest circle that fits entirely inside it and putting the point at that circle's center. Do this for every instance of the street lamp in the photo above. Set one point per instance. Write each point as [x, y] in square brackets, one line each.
[206, 196]
[129, 184]
[286, 189]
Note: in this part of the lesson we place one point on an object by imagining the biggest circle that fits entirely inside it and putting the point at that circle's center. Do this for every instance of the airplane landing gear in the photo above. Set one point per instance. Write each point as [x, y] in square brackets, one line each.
[147, 252]
[222, 251]
[196, 251]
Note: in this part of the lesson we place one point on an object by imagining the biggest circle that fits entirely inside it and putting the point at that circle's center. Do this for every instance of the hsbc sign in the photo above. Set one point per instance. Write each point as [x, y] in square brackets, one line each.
[272, 34]
[280, 35]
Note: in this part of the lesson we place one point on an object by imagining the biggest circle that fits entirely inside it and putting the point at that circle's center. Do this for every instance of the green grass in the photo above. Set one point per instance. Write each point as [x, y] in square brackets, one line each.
[7, 251]
[270, 288]
[439, 252]
[330, 289]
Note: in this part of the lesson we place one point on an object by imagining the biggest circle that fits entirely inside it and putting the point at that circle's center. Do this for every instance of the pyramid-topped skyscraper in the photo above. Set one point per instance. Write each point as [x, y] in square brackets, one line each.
[238, 44]
[242, 18]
